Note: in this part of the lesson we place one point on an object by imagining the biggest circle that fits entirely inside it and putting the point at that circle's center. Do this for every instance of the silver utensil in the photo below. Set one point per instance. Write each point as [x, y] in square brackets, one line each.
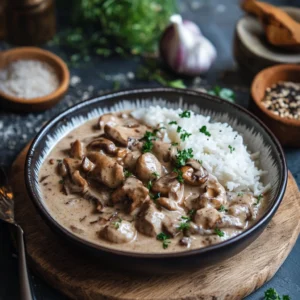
[7, 216]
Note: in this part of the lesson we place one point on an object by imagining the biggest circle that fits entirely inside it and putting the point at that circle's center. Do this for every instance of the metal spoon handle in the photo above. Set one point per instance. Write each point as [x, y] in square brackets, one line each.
[25, 288]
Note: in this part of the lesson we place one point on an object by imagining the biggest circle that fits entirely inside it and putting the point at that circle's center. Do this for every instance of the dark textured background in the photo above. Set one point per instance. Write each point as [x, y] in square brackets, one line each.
[217, 19]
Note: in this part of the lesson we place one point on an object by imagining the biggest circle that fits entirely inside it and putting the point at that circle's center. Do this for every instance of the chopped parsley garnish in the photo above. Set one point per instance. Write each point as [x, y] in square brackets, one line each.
[271, 294]
[179, 175]
[149, 137]
[179, 128]
[149, 185]
[127, 173]
[223, 93]
[155, 174]
[185, 114]
[61, 181]
[182, 156]
[203, 130]
[185, 135]
[231, 148]
[222, 209]
[173, 123]
[240, 194]
[164, 238]
[259, 197]
[200, 161]
[174, 144]
[117, 223]
[154, 197]
[59, 161]
[219, 232]
[191, 213]
[184, 226]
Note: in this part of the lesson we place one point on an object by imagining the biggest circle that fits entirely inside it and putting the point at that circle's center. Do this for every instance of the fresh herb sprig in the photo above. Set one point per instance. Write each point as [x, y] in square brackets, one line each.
[182, 156]
[259, 198]
[271, 294]
[203, 130]
[127, 173]
[185, 114]
[117, 223]
[223, 93]
[179, 175]
[219, 232]
[231, 148]
[222, 209]
[164, 238]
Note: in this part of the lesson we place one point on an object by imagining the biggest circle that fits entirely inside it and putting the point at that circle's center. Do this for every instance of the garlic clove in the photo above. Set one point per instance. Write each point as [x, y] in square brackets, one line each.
[185, 49]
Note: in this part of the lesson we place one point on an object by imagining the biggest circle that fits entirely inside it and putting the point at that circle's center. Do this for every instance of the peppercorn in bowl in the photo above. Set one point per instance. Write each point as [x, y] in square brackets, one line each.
[156, 179]
[275, 92]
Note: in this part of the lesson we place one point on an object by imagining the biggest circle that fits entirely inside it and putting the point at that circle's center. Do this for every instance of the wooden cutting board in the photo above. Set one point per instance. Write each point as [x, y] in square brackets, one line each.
[82, 277]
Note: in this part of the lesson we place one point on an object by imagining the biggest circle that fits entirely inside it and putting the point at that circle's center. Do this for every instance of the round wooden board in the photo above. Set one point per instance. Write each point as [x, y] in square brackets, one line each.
[81, 277]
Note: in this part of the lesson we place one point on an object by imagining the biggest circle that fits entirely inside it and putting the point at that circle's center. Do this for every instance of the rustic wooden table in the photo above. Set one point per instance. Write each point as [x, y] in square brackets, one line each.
[217, 19]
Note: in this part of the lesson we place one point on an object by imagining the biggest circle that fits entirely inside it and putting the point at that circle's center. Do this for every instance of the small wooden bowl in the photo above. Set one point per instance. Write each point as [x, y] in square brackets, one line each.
[251, 49]
[40, 103]
[286, 130]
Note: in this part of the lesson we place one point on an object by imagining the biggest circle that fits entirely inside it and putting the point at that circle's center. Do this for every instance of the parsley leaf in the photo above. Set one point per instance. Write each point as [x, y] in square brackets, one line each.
[191, 213]
[117, 223]
[231, 148]
[271, 294]
[149, 137]
[179, 128]
[240, 194]
[154, 196]
[259, 197]
[173, 123]
[127, 173]
[222, 209]
[219, 232]
[183, 226]
[223, 93]
[174, 144]
[179, 175]
[182, 156]
[185, 114]
[61, 181]
[203, 130]
[149, 185]
[164, 238]
[185, 135]
[155, 174]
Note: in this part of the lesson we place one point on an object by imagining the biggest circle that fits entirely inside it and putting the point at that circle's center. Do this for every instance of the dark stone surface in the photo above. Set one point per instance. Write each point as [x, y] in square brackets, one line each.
[217, 19]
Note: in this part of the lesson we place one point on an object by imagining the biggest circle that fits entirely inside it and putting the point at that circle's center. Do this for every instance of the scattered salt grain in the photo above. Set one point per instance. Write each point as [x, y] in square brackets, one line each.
[28, 79]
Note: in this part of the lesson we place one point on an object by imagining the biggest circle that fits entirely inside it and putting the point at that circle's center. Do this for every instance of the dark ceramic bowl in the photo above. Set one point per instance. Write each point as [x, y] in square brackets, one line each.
[256, 135]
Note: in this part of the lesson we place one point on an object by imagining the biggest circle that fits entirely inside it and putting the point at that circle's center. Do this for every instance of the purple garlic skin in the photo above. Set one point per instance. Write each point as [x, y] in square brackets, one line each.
[184, 49]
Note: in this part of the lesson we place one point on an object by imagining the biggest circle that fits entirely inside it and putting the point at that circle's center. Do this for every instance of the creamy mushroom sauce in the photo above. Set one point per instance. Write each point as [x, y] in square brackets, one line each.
[100, 182]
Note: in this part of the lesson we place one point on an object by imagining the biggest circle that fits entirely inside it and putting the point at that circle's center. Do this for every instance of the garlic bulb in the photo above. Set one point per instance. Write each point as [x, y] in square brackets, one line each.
[185, 49]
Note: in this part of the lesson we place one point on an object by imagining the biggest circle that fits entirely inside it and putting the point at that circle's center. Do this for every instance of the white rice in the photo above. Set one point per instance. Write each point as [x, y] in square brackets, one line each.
[235, 170]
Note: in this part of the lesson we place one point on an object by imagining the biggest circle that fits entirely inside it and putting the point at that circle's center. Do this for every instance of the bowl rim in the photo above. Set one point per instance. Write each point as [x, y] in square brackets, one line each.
[147, 91]
[266, 73]
[63, 82]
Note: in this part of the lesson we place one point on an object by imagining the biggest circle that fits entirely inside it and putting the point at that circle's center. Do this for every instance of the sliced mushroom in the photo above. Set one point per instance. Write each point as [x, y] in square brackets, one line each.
[101, 199]
[109, 119]
[77, 150]
[107, 170]
[163, 151]
[149, 220]
[215, 194]
[165, 184]
[118, 232]
[79, 180]
[102, 143]
[170, 226]
[123, 134]
[130, 159]
[71, 165]
[193, 173]
[148, 167]
[171, 190]
[133, 190]
[62, 169]
[87, 165]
